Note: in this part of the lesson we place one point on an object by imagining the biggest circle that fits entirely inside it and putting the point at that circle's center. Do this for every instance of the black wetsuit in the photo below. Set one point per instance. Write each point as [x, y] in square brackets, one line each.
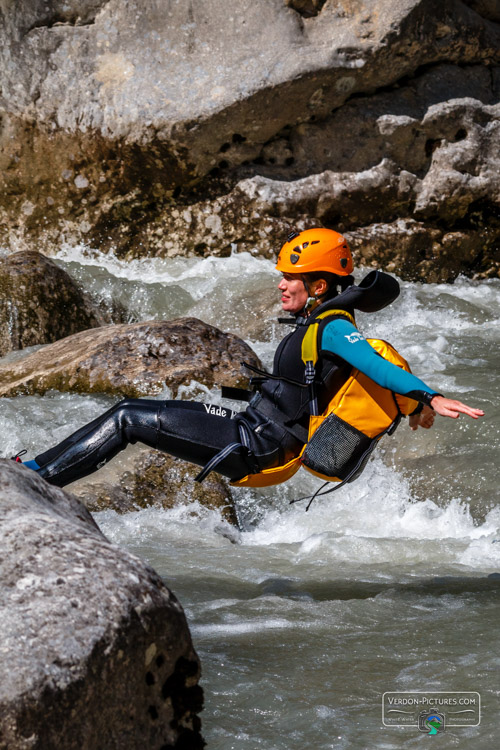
[268, 433]
[184, 429]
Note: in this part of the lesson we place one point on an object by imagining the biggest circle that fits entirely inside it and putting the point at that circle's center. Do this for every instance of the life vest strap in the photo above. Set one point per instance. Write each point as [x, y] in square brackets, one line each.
[267, 409]
[269, 375]
[217, 459]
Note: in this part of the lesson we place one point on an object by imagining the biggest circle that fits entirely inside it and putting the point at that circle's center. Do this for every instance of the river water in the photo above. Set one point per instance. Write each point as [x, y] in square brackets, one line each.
[304, 620]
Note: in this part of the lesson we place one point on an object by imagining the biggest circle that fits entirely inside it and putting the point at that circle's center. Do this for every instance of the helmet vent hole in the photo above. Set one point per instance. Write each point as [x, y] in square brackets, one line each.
[315, 242]
[305, 244]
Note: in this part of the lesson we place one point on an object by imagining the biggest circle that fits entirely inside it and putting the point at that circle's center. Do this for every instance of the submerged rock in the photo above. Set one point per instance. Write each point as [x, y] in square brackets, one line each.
[134, 360]
[96, 651]
[159, 154]
[40, 303]
[151, 478]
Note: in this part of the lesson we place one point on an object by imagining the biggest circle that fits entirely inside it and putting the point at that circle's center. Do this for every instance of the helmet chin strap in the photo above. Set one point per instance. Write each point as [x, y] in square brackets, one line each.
[312, 299]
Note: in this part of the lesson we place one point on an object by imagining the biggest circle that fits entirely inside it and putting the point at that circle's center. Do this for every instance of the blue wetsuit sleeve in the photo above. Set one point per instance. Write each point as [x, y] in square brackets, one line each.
[342, 338]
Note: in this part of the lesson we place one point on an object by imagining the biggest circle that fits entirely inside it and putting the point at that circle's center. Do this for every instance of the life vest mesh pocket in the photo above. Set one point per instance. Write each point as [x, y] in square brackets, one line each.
[335, 448]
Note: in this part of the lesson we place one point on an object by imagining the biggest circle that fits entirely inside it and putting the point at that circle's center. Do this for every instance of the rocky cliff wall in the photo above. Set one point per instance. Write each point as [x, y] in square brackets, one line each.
[182, 127]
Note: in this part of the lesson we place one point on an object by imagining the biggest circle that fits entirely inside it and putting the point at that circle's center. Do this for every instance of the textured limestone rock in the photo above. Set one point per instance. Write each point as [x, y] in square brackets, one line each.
[218, 90]
[96, 651]
[152, 478]
[432, 160]
[132, 360]
[39, 303]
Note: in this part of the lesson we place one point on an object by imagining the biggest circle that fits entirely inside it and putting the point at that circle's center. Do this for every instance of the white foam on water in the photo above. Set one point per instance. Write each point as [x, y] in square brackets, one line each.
[254, 626]
[202, 274]
[189, 522]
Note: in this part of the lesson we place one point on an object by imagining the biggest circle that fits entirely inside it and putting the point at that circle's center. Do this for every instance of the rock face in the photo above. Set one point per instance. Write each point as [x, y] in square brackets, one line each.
[132, 360]
[39, 303]
[96, 652]
[431, 164]
[238, 124]
[155, 479]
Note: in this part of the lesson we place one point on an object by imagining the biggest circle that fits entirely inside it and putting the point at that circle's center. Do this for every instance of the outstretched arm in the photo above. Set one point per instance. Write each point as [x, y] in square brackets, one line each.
[342, 338]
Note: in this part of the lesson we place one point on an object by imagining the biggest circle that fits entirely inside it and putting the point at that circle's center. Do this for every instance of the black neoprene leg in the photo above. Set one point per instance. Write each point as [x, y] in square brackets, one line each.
[181, 428]
[96, 443]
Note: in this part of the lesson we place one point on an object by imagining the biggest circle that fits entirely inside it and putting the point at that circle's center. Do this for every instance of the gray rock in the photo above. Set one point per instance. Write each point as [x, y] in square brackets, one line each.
[431, 160]
[40, 303]
[132, 360]
[96, 651]
[100, 157]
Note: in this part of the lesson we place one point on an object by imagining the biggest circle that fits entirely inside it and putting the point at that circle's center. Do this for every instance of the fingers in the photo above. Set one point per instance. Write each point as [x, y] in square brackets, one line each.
[427, 422]
[413, 421]
[452, 408]
[425, 419]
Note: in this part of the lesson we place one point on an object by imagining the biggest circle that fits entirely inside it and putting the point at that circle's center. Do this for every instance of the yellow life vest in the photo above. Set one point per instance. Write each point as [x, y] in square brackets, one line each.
[342, 438]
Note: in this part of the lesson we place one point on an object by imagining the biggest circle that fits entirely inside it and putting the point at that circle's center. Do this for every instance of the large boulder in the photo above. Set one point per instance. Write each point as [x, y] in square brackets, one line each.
[99, 140]
[96, 651]
[133, 360]
[153, 479]
[40, 303]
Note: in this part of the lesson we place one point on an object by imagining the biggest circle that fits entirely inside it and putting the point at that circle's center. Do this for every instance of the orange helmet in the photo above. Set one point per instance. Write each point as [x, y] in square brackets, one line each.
[315, 250]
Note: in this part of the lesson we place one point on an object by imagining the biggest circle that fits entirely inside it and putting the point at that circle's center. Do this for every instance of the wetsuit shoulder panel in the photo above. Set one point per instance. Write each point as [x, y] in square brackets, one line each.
[341, 338]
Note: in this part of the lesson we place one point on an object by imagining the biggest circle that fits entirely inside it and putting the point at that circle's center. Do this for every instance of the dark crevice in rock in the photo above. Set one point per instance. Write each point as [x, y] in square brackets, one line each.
[487, 9]
[409, 79]
[58, 21]
[481, 215]
[187, 701]
[306, 8]
[73, 15]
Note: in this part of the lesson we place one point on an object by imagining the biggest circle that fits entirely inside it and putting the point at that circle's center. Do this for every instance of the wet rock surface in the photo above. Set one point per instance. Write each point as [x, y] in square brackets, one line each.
[96, 651]
[159, 154]
[40, 303]
[153, 479]
[132, 360]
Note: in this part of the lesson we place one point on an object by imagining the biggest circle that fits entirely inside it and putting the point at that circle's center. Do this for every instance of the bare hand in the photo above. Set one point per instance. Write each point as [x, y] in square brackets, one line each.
[425, 419]
[448, 407]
